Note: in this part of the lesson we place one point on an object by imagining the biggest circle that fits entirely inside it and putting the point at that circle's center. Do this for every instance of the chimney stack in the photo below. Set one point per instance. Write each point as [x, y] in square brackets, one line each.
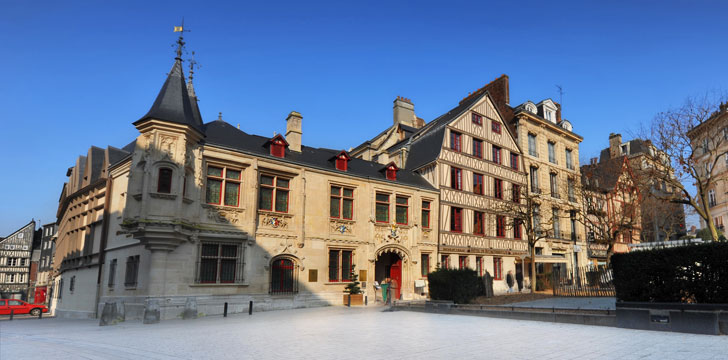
[593, 161]
[293, 131]
[615, 141]
[404, 111]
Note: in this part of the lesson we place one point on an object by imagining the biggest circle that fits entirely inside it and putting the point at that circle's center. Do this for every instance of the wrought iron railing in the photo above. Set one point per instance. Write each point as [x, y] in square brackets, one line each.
[584, 281]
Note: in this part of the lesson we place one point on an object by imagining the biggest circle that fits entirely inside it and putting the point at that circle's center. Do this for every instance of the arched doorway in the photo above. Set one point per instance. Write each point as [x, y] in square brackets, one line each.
[388, 267]
[283, 276]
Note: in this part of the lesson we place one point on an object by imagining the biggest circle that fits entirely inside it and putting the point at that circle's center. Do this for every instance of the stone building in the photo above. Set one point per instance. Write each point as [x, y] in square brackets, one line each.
[472, 158]
[15, 255]
[660, 220]
[405, 124]
[44, 279]
[191, 216]
[612, 207]
[709, 140]
[82, 227]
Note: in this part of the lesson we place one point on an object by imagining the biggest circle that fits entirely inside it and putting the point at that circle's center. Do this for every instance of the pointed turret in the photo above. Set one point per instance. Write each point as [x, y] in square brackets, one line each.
[173, 103]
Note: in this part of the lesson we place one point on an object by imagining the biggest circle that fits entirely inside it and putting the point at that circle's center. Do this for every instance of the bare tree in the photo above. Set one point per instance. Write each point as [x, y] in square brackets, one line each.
[611, 202]
[685, 152]
[524, 208]
[660, 217]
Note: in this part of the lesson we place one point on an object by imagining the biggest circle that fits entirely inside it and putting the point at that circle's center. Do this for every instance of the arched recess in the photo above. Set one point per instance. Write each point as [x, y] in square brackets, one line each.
[284, 275]
[393, 248]
[157, 171]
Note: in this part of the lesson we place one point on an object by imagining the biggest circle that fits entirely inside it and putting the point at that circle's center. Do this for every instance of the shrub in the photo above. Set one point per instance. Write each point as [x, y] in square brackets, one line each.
[543, 281]
[686, 274]
[458, 285]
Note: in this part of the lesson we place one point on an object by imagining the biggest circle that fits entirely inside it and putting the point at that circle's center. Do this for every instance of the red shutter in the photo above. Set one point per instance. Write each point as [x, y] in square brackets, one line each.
[341, 163]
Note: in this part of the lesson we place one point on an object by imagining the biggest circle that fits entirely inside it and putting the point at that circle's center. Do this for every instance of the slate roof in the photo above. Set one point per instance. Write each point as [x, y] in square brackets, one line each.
[222, 134]
[426, 143]
[173, 102]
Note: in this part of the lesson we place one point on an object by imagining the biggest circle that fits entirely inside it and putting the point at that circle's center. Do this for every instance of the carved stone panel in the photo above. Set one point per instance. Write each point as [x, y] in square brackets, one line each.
[274, 221]
[223, 215]
[390, 234]
[341, 227]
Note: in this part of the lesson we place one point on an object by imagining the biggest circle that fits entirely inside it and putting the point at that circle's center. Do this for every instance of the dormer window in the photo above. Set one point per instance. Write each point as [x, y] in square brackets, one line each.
[391, 171]
[342, 161]
[278, 146]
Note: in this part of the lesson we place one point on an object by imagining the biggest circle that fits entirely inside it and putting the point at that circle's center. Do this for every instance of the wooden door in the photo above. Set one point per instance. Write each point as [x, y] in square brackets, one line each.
[395, 273]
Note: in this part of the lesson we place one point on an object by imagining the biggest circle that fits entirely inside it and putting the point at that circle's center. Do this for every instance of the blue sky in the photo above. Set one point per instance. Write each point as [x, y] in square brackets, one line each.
[76, 74]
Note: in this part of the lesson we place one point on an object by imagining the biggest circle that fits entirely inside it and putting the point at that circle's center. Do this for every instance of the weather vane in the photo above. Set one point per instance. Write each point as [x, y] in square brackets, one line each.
[180, 42]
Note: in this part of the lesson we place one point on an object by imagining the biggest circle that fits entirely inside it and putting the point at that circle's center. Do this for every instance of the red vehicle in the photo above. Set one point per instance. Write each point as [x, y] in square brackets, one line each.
[20, 307]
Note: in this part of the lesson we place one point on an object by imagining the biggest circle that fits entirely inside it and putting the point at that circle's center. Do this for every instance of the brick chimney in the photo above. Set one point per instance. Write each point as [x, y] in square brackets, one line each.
[615, 141]
[293, 131]
[404, 111]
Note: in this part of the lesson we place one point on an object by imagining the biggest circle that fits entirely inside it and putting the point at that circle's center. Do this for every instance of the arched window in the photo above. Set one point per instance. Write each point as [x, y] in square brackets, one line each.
[283, 278]
[164, 182]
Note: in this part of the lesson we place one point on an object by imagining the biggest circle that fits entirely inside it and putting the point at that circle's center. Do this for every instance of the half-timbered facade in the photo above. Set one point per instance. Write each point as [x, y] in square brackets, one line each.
[15, 251]
[472, 158]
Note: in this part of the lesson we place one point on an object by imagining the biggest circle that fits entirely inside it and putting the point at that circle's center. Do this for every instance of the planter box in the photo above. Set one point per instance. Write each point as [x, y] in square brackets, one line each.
[709, 319]
[357, 299]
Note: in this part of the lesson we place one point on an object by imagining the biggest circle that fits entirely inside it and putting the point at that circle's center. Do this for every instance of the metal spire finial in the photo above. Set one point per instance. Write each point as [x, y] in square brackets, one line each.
[193, 63]
[180, 41]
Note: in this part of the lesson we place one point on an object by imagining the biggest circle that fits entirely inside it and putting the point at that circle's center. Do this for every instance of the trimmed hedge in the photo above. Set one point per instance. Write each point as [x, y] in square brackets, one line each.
[686, 274]
[458, 285]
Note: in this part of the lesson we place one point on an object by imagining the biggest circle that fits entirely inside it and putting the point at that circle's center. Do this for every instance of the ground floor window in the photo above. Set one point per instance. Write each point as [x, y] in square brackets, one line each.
[132, 271]
[463, 262]
[498, 268]
[445, 261]
[479, 264]
[220, 263]
[425, 264]
[340, 265]
[283, 279]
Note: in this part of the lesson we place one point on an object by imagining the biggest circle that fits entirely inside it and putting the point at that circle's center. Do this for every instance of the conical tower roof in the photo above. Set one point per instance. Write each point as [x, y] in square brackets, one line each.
[173, 103]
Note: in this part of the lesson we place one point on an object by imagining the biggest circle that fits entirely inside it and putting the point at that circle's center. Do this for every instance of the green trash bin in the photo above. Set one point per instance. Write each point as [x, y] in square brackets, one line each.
[384, 292]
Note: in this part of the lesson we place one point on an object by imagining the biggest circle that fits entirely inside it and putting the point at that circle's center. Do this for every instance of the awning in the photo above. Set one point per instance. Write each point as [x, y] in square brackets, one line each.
[545, 259]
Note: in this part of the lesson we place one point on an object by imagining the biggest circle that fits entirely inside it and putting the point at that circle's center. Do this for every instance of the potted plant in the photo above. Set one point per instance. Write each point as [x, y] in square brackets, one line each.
[353, 291]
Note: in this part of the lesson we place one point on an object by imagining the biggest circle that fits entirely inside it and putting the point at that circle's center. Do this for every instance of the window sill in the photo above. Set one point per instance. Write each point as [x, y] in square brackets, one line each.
[217, 285]
[163, 196]
[218, 207]
[338, 283]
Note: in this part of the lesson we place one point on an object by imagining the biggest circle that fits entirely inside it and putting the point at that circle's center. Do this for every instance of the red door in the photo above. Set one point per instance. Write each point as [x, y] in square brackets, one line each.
[40, 295]
[395, 273]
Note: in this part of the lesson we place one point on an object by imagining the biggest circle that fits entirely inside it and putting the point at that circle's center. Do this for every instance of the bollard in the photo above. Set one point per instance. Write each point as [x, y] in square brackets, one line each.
[40, 315]
[250, 308]
[12, 312]
[366, 300]
[224, 311]
[348, 301]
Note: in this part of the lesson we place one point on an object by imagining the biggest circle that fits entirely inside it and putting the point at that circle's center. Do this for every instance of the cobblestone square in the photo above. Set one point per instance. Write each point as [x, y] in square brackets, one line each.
[345, 333]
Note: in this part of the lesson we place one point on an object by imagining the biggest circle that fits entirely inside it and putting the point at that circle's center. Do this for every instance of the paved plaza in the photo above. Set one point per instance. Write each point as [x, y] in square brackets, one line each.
[343, 333]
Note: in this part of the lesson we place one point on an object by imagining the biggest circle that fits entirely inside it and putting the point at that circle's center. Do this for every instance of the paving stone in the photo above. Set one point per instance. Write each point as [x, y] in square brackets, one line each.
[345, 333]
